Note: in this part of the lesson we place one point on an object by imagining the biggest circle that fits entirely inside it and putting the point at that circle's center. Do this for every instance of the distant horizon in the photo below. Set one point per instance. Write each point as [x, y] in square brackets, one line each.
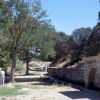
[67, 16]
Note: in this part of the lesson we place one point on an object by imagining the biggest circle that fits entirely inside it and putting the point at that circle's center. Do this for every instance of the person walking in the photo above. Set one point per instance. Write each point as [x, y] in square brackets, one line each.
[2, 76]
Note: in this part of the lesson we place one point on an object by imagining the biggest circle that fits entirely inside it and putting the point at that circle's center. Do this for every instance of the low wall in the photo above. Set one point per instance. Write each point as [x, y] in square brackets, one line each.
[75, 75]
[87, 73]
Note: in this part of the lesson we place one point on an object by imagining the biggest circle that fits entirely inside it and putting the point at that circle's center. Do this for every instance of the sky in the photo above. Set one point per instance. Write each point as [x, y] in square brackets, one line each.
[68, 15]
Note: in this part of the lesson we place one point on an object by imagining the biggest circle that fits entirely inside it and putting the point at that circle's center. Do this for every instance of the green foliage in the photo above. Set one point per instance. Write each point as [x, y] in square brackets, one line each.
[3, 14]
[72, 47]
[22, 19]
[61, 44]
[43, 39]
[93, 42]
[19, 65]
[80, 36]
[4, 59]
[47, 50]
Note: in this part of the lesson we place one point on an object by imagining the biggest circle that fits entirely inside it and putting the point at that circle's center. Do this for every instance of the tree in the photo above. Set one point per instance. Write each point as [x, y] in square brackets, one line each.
[23, 17]
[72, 49]
[41, 43]
[80, 36]
[61, 40]
[5, 60]
[44, 40]
[93, 43]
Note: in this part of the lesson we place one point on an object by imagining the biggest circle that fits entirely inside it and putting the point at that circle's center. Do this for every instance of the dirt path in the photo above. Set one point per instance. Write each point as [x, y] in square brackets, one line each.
[43, 91]
[40, 90]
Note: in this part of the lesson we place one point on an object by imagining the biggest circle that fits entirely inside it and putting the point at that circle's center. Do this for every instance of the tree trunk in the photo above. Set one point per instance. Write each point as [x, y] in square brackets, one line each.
[13, 65]
[27, 67]
[27, 62]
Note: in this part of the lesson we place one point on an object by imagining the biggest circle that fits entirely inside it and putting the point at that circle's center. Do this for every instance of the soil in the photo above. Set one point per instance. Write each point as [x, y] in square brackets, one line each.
[44, 91]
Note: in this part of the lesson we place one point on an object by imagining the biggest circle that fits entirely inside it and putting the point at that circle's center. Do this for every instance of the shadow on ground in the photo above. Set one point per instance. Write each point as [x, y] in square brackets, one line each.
[74, 94]
[78, 95]
[49, 82]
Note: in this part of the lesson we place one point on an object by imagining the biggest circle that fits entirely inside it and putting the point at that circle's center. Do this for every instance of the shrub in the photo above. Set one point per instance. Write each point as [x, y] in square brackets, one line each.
[19, 64]
[4, 59]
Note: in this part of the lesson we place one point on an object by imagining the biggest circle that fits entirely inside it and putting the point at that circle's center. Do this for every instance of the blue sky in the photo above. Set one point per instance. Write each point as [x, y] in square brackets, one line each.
[67, 15]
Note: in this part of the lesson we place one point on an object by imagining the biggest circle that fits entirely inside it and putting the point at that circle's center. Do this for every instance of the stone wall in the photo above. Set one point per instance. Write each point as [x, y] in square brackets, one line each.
[92, 73]
[75, 75]
[87, 73]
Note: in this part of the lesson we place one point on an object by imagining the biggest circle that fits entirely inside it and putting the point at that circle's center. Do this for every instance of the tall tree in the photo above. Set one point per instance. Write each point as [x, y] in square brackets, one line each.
[93, 43]
[44, 39]
[23, 17]
[61, 40]
[80, 36]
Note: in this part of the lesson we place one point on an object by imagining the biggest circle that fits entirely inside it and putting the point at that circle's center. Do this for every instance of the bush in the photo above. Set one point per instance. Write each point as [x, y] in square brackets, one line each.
[4, 59]
[19, 64]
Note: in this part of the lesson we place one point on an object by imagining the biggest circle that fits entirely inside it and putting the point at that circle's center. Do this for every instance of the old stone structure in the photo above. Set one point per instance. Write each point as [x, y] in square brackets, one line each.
[92, 73]
[87, 73]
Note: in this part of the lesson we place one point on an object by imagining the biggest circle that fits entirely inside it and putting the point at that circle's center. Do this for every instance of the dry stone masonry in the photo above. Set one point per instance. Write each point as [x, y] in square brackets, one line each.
[86, 73]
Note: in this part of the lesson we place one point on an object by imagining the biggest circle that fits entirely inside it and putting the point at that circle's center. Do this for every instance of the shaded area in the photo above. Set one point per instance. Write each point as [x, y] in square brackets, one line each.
[80, 95]
[91, 79]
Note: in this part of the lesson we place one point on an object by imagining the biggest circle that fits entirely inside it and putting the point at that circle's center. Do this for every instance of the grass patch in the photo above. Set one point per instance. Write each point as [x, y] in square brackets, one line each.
[8, 91]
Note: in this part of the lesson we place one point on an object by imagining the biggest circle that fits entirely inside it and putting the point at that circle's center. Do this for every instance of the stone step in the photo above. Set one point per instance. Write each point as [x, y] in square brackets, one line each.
[30, 78]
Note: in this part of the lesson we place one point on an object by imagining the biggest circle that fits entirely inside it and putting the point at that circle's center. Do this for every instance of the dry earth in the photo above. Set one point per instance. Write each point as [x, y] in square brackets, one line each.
[37, 90]
[43, 91]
